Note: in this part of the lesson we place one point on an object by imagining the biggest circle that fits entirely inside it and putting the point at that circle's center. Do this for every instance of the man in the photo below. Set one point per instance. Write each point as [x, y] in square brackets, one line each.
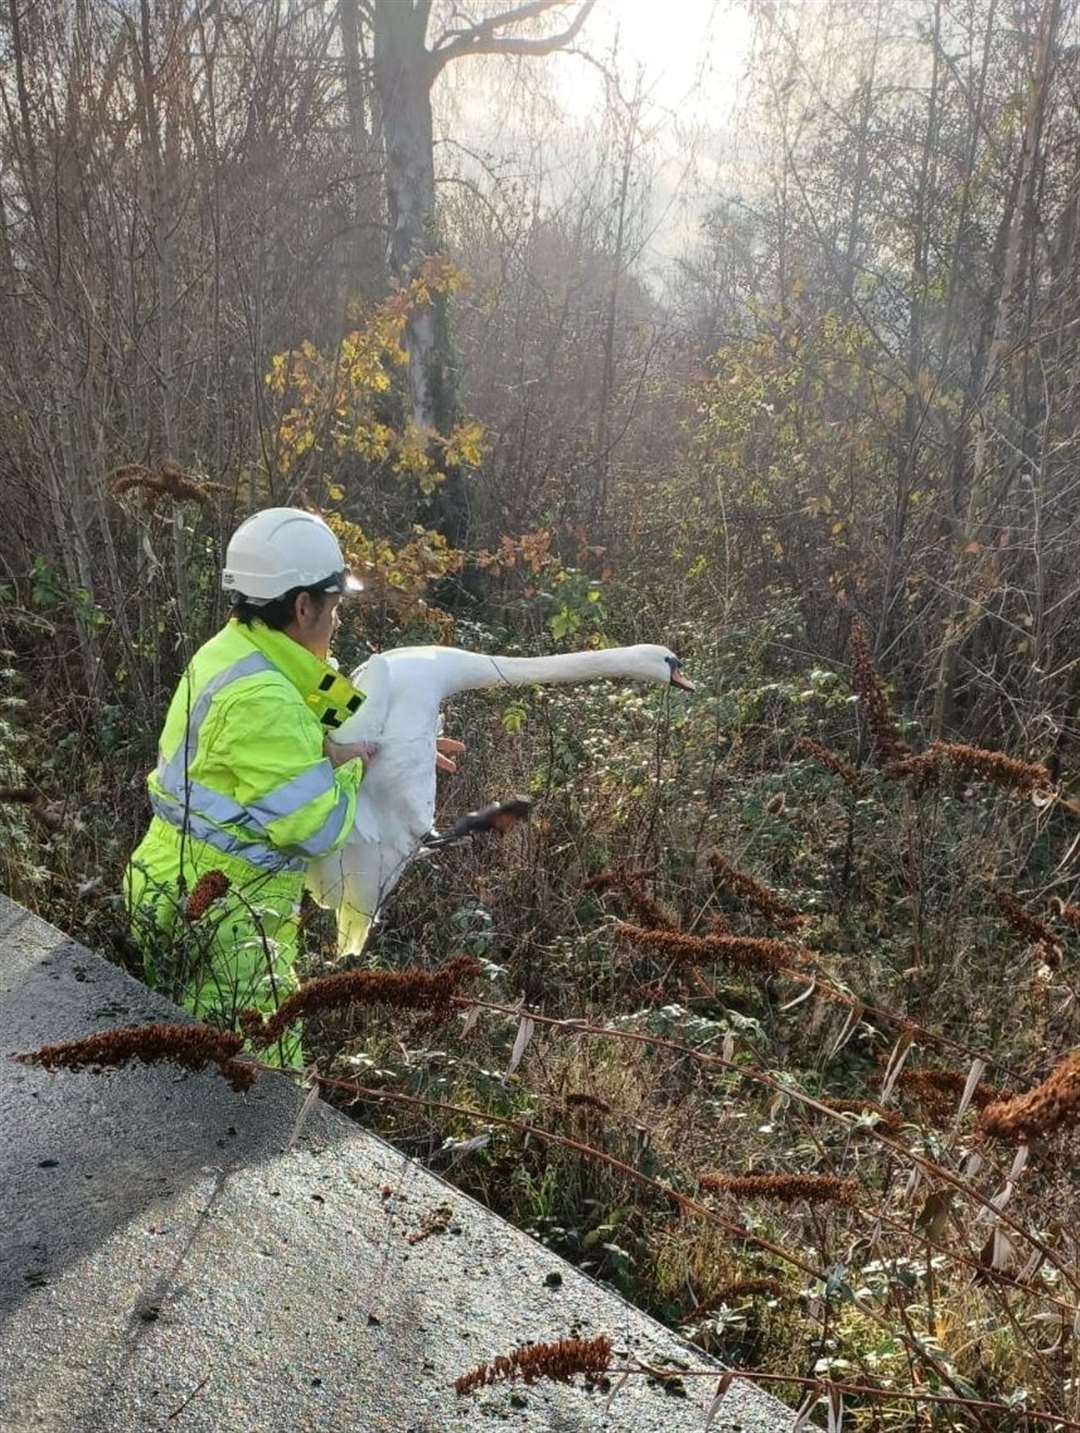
[249, 782]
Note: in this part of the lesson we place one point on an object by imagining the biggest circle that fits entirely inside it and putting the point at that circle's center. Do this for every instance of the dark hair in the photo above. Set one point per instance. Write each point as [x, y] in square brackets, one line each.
[280, 612]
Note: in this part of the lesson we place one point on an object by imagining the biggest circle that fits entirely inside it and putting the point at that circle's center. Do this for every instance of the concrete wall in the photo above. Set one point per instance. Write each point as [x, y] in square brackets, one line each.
[165, 1264]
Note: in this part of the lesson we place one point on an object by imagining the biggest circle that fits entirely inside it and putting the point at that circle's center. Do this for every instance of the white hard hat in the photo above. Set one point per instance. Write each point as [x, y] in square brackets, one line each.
[278, 549]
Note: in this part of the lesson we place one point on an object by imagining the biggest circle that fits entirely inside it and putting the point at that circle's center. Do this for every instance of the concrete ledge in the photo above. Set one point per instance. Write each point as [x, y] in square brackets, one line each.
[164, 1264]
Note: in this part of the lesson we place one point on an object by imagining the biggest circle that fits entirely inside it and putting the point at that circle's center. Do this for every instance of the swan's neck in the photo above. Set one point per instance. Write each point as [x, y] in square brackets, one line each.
[477, 670]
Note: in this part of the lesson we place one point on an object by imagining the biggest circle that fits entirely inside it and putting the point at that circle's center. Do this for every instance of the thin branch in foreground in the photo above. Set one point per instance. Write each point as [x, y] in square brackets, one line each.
[558, 1361]
[685, 1203]
[193, 1047]
[869, 1390]
[763, 1078]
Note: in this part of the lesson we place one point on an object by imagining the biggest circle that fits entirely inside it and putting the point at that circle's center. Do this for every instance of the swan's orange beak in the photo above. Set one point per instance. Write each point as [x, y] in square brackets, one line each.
[678, 680]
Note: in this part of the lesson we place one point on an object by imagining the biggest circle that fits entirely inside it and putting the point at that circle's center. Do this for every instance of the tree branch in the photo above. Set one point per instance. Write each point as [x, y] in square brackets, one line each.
[531, 10]
[482, 39]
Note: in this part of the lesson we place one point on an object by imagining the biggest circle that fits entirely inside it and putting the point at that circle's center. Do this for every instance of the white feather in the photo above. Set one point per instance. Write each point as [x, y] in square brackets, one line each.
[395, 810]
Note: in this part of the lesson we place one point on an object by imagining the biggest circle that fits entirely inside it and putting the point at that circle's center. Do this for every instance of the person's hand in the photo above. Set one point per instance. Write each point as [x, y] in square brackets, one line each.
[339, 752]
[446, 748]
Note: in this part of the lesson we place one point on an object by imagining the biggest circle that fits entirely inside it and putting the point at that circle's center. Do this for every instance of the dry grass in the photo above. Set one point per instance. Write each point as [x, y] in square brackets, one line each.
[560, 1362]
[785, 1188]
[852, 778]
[193, 1047]
[776, 911]
[900, 961]
[1051, 1106]
[430, 991]
[875, 704]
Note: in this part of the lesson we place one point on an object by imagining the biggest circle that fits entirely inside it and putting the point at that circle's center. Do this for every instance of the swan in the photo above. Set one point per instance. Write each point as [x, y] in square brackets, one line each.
[404, 690]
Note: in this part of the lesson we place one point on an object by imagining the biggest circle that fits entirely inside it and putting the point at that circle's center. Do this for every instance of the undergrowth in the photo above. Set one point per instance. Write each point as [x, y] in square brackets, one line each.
[793, 1160]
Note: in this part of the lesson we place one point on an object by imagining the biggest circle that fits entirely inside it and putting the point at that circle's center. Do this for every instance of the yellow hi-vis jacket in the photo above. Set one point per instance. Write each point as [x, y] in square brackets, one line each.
[240, 760]
[241, 787]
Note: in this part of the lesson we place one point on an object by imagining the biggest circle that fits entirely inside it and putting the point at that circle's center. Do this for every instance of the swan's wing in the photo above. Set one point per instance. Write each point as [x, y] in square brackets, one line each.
[355, 882]
[376, 680]
[395, 807]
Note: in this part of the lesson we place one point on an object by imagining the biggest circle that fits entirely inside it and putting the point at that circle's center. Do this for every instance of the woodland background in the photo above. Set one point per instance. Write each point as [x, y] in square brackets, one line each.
[806, 408]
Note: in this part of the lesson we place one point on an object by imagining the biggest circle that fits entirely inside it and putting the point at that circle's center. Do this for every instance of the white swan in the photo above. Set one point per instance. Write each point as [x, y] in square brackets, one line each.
[405, 689]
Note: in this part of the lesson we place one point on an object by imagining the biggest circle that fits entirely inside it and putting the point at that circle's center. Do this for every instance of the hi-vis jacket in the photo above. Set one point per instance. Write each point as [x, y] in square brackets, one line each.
[240, 760]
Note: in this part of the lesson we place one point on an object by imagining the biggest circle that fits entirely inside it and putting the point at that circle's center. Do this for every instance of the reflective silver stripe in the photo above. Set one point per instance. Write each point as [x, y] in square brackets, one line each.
[197, 806]
[208, 802]
[195, 825]
[322, 839]
[294, 795]
[173, 773]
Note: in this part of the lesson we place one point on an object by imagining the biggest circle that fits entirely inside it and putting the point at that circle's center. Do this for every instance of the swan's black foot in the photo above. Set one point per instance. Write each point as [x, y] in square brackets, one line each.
[498, 816]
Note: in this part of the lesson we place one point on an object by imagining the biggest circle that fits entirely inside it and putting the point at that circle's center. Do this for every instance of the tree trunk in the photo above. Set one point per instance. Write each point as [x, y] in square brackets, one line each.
[362, 147]
[1021, 211]
[607, 382]
[403, 78]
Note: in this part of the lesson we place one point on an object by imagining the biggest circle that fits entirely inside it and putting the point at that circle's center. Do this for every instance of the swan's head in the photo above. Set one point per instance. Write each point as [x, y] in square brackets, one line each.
[650, 663]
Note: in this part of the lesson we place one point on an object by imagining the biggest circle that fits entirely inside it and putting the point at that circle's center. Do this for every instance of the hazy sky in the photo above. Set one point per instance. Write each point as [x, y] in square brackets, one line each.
[691, 55]
[692, 51]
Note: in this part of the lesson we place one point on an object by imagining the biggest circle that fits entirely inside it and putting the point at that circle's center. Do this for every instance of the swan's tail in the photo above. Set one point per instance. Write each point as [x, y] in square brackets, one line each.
[354, 927]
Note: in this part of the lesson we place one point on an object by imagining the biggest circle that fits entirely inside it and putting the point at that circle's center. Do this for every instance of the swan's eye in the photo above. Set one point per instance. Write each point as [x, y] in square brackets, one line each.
[677, 678]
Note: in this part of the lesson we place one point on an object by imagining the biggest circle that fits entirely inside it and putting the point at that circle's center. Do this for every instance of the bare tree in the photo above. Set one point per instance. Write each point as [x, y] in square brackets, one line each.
[406, 68]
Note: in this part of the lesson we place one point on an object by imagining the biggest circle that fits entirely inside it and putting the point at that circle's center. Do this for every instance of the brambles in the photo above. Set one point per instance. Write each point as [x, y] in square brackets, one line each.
[776, 911]
[191, 1046]
[399, 989]
[558, 1361]
[1053, 1105]
[920, 772]
[993, 766]
[786, 1188]
[579, 1099]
